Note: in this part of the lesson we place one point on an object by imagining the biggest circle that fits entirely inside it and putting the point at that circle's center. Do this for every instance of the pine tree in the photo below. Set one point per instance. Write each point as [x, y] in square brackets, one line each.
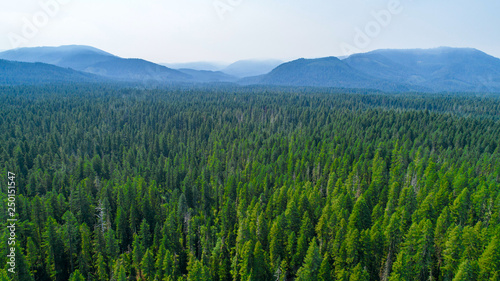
[22, 267]
[489, 262]
[145, 235]
[399, 269]
[70, 238]
[260, 269]
[137, 252]
[85, 256]
[148, 266]
[310, 269]
[121, 274]
[246, 262]
[157, 237]
[392, 238]
[101, 267]
[360, 216]
[452, 253]
[460, 207]
[197, 271]
[169, 265]
[359, 274]
[182, 207]
[276, 245]
[33, 256]
[76, 276]
[325, 270]
[467, 271]
[53, 248]
[424, 251]
[112, 248]
[122, 228]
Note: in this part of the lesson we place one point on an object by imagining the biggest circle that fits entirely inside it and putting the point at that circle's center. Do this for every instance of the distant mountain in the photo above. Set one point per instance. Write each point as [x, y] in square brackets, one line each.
[433, 70]
[205, 66]
[74, 56]
[136, 70]
[440, 69]
[246, 68]
[16, 73]
[95, 61]
[324, 72]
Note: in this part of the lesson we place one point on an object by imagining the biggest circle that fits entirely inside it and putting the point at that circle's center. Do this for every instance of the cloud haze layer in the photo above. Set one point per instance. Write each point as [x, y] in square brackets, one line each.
[230, 30]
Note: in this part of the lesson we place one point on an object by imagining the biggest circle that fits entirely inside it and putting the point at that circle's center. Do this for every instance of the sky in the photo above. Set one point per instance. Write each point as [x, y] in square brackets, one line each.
[174, 31]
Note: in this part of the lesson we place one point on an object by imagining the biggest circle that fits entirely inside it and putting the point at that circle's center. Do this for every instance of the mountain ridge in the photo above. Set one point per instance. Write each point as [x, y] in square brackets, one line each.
[95, 61]
[443, 69]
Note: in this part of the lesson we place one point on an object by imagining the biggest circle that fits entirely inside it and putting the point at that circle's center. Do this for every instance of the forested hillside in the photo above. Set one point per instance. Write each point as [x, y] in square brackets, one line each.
[249, 184]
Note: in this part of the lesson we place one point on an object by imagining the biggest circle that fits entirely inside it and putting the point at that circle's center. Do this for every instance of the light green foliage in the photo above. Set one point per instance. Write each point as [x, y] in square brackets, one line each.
[76, 276]
[310, 269]
[197, 271]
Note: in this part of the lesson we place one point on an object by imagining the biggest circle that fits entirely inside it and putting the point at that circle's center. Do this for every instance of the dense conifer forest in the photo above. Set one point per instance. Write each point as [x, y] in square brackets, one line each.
[249, 183]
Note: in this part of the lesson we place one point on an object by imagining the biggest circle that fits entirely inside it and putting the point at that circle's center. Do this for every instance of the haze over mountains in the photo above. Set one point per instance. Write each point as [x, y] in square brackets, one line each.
[202, 65]
[95, 61]
[245, 68]
[433, 70]
[440, 69]
[241, 68]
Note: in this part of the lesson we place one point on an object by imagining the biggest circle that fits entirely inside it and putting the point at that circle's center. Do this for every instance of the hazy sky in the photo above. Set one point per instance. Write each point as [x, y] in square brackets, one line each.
[229, 30]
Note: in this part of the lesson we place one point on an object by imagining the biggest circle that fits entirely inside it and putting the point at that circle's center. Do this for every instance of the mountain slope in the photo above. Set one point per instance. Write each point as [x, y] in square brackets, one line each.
[75, 57]
[16, 73]
[433, 70]
[324, 72]
[95, 61]
[135, 70]
[440, 69]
